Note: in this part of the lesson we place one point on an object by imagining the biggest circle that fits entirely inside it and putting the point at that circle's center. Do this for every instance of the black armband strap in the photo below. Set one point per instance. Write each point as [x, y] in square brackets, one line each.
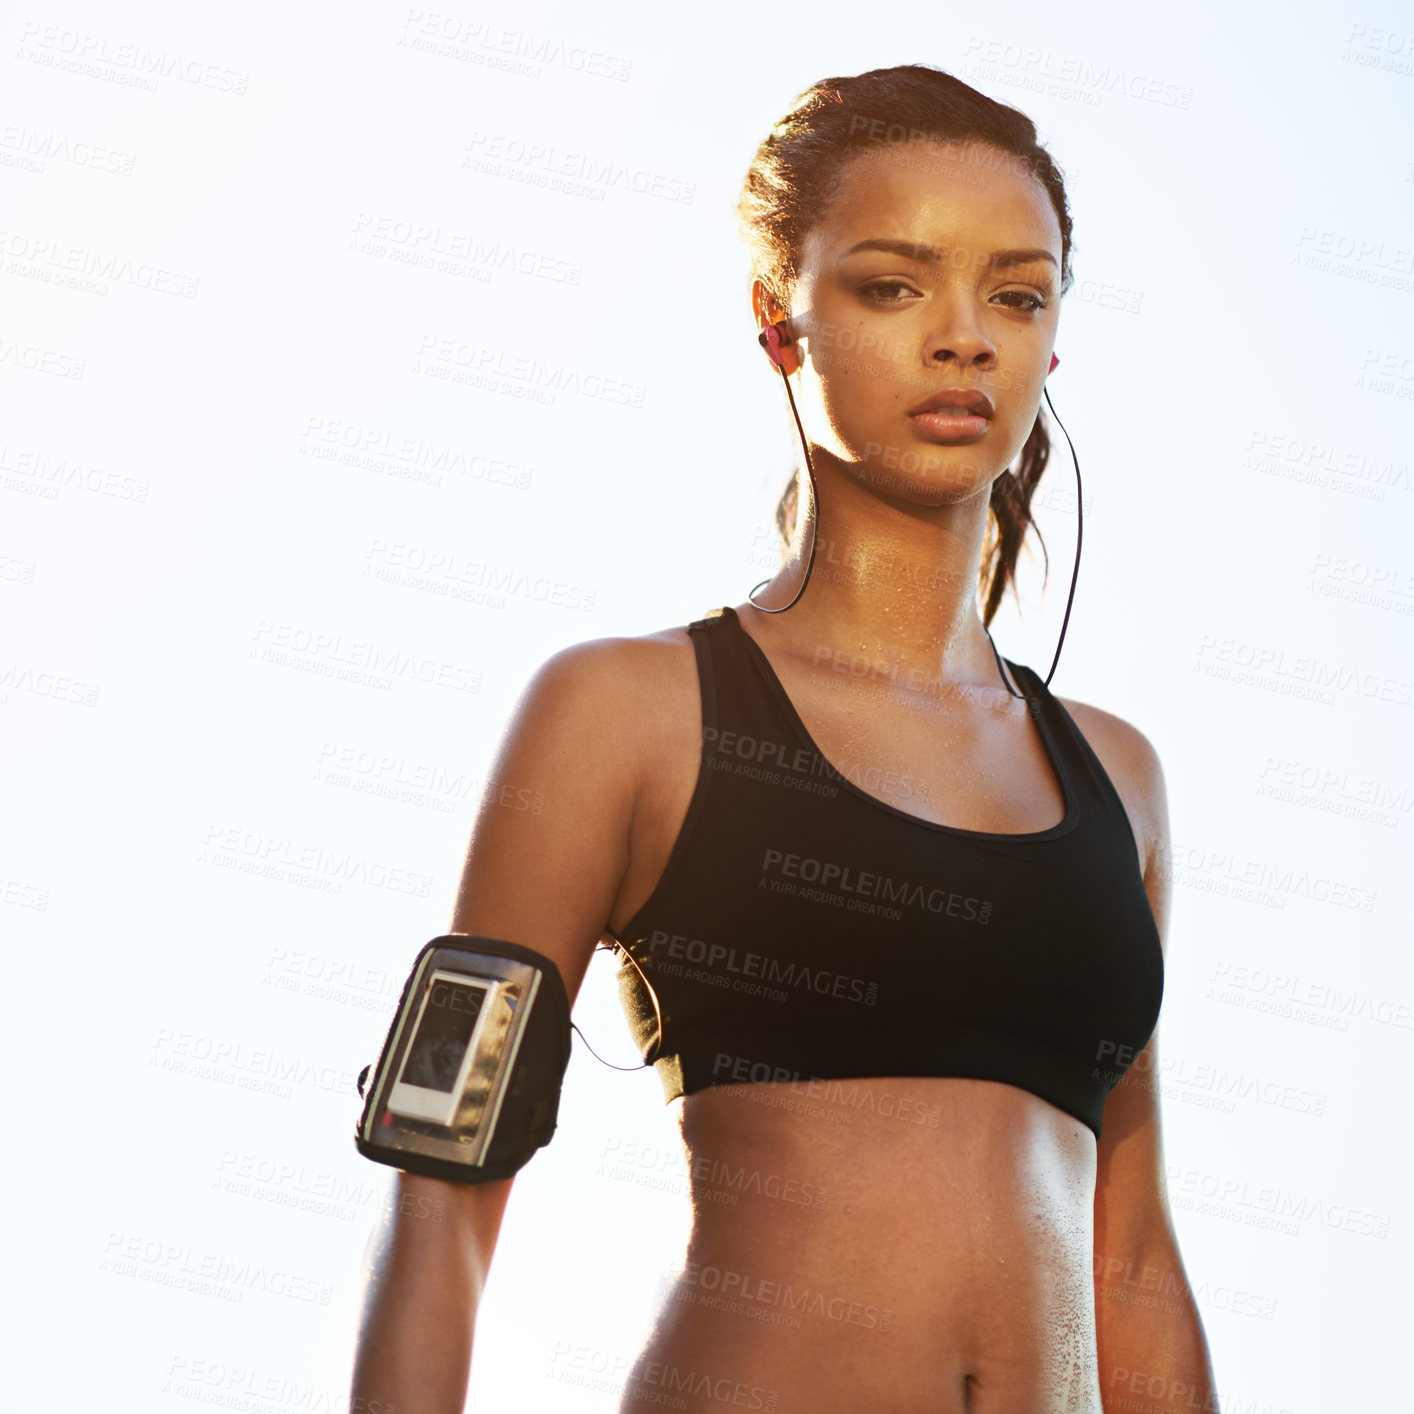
[467, 1086]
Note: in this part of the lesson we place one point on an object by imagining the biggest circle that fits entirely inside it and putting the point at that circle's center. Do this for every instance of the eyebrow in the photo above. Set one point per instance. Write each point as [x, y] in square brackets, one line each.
[935, 255]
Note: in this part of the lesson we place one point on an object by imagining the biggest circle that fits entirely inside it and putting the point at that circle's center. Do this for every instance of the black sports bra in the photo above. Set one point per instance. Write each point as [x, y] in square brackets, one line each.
[804, 930]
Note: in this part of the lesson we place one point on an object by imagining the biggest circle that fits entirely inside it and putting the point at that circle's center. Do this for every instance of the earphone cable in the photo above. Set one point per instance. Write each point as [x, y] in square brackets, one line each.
[814, 511]
[1075, 572]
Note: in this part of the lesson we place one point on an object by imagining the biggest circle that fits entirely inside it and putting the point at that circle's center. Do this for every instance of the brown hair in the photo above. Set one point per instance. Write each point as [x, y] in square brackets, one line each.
[797, 171]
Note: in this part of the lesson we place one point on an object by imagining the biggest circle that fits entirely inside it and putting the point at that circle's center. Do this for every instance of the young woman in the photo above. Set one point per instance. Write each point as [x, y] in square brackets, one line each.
[890, 914]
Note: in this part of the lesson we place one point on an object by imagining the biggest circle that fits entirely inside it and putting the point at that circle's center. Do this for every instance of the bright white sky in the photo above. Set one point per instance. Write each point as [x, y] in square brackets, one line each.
[177, 495]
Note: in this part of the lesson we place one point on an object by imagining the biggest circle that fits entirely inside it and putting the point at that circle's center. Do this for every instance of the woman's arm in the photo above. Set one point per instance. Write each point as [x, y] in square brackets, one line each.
[1152, 1348]
[423, 1282]
[548, 851]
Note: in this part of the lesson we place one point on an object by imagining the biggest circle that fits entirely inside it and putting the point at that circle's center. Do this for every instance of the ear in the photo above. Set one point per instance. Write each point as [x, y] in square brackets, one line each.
[775, 336]
[765, 309]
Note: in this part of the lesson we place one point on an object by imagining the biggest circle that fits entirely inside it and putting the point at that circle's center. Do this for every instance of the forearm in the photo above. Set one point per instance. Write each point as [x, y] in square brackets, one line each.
[423, 1286]
[1153, 1353]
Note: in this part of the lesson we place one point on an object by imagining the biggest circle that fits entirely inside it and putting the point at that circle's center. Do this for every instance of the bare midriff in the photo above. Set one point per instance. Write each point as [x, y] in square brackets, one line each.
[915, 1245]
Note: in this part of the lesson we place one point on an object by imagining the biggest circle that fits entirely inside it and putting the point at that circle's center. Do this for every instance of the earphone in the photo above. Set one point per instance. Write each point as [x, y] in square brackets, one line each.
[775, 337]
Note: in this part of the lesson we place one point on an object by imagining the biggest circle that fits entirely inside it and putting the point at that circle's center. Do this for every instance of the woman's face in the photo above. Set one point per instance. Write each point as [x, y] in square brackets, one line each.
[935, 267]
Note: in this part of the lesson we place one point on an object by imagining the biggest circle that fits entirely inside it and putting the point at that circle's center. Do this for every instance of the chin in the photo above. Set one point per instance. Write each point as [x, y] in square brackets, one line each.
[935, 474]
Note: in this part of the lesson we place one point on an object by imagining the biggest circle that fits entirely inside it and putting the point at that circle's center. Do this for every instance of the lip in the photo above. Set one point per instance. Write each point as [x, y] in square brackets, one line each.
[950, 425]
[956, 400]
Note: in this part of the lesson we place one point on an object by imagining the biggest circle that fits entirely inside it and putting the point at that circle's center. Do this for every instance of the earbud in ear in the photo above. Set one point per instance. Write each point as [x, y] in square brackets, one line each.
[773, 338]
[1054, 360]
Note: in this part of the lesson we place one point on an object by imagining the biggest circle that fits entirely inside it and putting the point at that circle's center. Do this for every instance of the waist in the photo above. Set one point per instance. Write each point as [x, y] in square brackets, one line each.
[928, 1257]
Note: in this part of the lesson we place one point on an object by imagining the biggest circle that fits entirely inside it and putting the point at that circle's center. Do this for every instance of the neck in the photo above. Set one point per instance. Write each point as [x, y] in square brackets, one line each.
[892, 592]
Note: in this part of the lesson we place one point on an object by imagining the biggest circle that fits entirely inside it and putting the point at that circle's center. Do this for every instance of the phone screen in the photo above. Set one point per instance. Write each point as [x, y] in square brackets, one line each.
[434, 1059]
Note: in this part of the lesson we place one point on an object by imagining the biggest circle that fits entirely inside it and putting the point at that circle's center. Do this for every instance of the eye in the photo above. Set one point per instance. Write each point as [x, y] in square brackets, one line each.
[1024, 300]
[872, 291]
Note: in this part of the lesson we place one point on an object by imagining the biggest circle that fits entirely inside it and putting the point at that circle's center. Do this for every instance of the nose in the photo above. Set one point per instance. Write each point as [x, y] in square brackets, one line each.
[957, 331]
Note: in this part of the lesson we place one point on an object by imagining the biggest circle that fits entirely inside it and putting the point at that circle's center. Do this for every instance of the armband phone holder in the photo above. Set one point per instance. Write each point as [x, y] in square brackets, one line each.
[467, 1086]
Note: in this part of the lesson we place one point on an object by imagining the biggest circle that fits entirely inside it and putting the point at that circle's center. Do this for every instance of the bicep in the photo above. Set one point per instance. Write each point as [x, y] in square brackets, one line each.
[549, 846]
[1131, 1198]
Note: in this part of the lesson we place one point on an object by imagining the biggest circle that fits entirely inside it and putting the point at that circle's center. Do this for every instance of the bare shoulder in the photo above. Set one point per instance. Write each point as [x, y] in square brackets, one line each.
[1130, 748]
[1132, 763]
[632, 689]
[627, 672]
